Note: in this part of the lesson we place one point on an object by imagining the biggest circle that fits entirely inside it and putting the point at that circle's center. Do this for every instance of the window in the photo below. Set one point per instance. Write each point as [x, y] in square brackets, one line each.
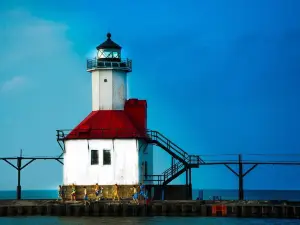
[106, 157]
[94, 157]
[107, 54]
[116, 55]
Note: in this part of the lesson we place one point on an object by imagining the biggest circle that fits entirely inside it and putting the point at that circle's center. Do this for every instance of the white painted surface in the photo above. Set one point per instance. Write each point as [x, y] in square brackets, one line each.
[109, 95]
[125, 168]
[119, 89]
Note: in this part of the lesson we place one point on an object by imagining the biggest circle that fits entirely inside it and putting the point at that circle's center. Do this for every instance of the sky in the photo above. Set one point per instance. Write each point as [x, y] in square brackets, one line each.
[220, 77]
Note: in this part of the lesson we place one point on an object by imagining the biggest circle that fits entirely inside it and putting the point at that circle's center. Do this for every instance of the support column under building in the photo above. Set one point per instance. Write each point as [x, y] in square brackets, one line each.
[190, 184]
[186, 184]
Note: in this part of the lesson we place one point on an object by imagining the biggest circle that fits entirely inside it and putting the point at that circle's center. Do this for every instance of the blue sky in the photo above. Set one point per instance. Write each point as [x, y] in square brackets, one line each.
[219, 77]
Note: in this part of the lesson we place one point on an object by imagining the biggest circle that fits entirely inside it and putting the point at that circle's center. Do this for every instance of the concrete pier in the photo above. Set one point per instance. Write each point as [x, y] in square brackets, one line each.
[253, 209]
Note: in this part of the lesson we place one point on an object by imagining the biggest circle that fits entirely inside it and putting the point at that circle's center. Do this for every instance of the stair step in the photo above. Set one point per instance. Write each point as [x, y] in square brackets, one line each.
[184, 159]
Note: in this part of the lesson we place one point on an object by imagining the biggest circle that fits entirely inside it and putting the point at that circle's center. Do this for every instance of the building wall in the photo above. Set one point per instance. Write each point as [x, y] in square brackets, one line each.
[123, 169]
[172, 192]
[119, 89]
[101, 91]
[136, 110]
[145, 155]
[127, 167]
[125, 191]
[109, 95]
[95, 91]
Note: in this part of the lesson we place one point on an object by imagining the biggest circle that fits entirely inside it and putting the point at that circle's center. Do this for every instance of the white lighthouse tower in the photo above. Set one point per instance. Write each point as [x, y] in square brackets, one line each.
[109, 77]
[109, 146]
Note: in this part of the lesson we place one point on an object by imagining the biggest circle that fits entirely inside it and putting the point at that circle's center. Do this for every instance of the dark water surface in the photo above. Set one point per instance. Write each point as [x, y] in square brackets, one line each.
[145, 220]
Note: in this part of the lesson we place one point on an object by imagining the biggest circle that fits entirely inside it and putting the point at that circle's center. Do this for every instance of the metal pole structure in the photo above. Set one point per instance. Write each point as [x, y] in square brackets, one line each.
[172, 166]
[143, 171]
[241, 179]
[187, 184]
[190, 184]
[19, 168]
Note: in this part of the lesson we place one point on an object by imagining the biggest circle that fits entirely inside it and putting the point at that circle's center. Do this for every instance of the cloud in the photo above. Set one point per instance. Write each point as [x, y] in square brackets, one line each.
[39, 47]
[37, 54]
[12, 84]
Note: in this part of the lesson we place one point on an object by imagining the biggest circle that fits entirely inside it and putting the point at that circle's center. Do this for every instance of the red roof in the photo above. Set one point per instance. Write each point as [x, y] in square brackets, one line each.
[106, 124]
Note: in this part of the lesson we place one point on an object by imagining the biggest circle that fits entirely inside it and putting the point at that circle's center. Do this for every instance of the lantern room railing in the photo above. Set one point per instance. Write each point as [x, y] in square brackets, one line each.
[122, 64]
[86, 133]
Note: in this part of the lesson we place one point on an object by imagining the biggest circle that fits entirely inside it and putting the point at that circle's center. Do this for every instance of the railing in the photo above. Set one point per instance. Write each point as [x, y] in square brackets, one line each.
[191, 159]
[179, 166]
[123, 64]
[154, 178]
[167, 174]
[173, 170]
[195, 159]
[156, 136]
[60, 135]
[97, 133]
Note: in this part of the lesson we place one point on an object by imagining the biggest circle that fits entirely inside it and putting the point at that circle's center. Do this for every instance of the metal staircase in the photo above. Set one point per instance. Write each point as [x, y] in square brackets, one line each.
[184, 160]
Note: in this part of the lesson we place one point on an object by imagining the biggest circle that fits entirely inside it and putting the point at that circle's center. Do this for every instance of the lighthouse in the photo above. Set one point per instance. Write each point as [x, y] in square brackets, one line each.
[109, 77]
[109, 146]
[113, 144]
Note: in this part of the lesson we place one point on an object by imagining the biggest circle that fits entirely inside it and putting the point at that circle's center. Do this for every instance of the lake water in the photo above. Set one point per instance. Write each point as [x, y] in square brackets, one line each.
[144, 221]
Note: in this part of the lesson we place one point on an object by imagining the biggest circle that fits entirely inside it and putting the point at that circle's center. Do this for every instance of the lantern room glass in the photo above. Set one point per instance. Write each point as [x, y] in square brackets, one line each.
[109, 54]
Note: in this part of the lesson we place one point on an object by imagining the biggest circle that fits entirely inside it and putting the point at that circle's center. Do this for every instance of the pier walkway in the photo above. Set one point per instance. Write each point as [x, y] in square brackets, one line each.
[251, 209]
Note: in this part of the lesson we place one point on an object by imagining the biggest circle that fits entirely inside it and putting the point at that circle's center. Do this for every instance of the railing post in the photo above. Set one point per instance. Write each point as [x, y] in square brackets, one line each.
[19, 188]
[186, 184]
[241, 179]
[172, 166]
[190, 184]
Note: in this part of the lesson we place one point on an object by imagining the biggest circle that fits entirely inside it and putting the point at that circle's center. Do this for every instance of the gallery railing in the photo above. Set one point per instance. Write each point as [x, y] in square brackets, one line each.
[122, 64]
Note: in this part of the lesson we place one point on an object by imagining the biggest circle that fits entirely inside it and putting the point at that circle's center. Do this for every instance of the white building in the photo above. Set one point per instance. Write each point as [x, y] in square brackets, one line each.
[108, 147]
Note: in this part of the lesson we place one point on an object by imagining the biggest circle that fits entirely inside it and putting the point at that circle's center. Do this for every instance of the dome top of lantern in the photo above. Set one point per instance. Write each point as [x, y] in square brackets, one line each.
[108, 44]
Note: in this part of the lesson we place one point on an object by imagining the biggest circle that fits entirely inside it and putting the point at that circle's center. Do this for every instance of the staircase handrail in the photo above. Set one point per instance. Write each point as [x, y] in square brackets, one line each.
[169, 173]
[168, 142]
[191, 159]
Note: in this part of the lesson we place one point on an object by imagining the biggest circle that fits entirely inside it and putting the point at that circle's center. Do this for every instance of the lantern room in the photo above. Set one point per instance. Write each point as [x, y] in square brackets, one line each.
[109, 57]
[109, 50]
